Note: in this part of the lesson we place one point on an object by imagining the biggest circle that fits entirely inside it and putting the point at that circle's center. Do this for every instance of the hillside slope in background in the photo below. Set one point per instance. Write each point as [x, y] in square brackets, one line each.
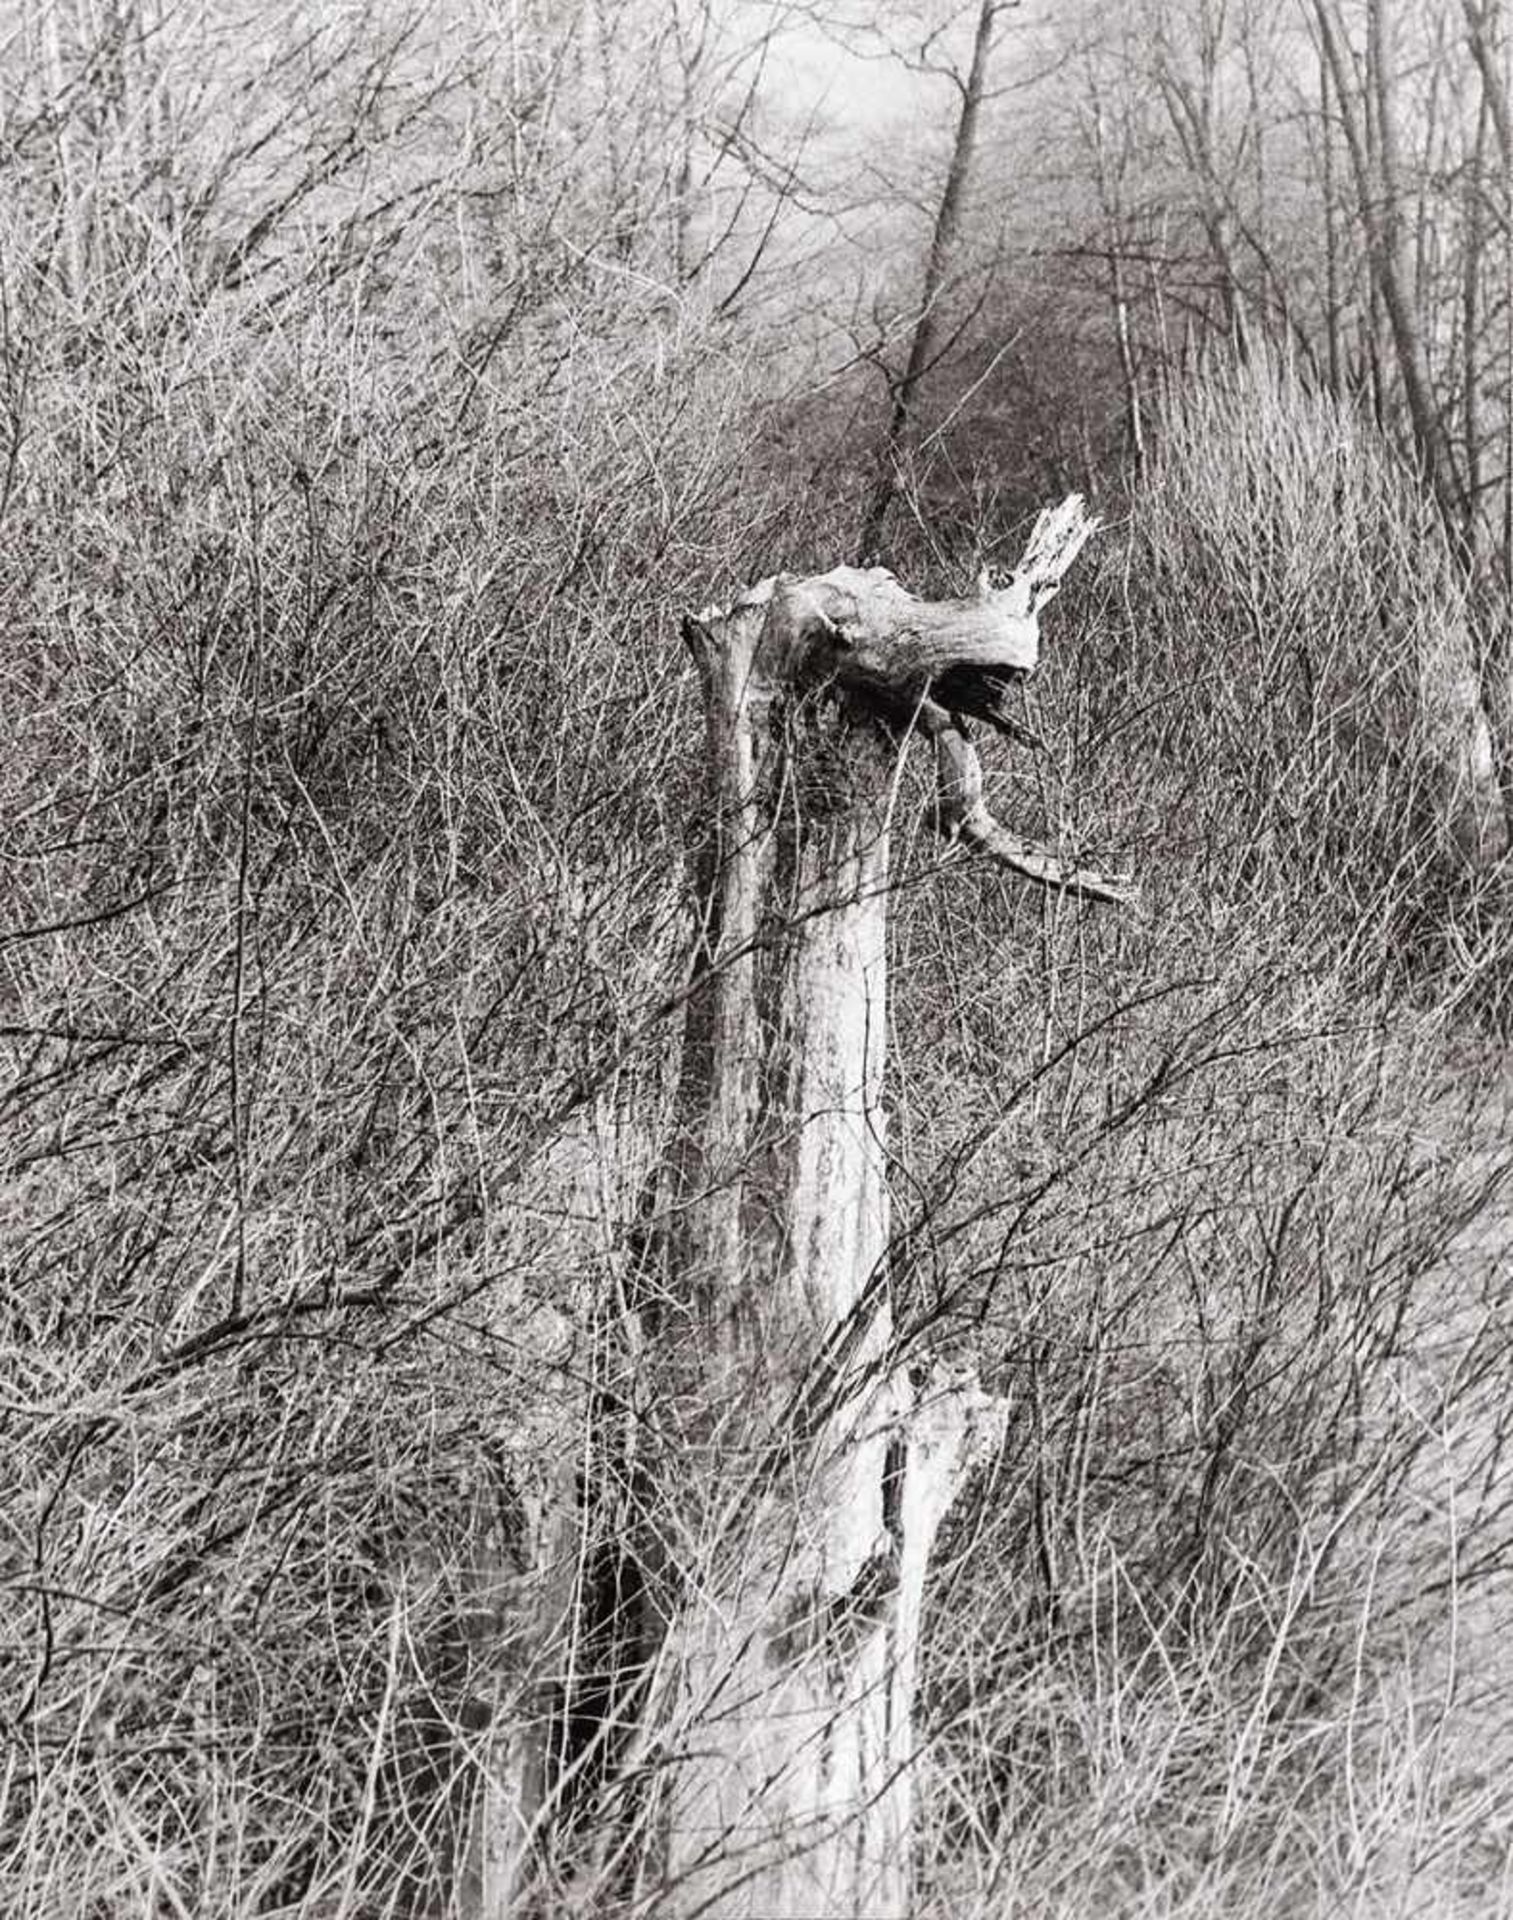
[377, 394]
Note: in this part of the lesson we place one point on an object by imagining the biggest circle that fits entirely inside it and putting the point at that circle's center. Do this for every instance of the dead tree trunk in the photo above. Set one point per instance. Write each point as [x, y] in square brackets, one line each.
[804, 1468]
[1331, 238]
[718, 1710]
[1489, 50]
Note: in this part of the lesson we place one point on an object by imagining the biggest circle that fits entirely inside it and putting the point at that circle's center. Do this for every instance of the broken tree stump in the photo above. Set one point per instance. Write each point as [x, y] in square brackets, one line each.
[790, 1471]
[781, 1724]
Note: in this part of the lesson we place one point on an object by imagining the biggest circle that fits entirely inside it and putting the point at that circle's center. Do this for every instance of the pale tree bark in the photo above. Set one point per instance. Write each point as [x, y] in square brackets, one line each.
[1482, 36]
[1331, 237]
[794, 1462]
[499, 1877]
[1485, 38]
[1379, 196]
[781, 1714]
[1472, 251]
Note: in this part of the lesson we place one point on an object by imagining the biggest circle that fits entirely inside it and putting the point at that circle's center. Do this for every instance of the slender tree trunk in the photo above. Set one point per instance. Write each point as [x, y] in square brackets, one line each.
[1472, 245]
[924, 344]
[754, 1754]
[1378, 197]
[1134, 413]
[1111, 198]
[731, 1727]
[70, 188]
[1191, 111]
[1331, 237]
[1392, 255]
[1496, 638]
[1481, 33]
[1432, 161]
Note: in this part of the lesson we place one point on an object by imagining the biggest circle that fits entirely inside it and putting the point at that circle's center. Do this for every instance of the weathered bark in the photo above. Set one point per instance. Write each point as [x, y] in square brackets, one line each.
[1379, 199]
[811, 1468]
[717, 1714]
[771, 1723]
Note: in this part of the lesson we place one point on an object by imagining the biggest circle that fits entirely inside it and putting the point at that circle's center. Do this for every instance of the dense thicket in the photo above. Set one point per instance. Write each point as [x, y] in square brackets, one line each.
[377, 391]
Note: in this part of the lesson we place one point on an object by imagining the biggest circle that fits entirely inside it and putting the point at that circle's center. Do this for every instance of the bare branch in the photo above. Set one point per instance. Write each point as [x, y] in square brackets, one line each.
[962, 813]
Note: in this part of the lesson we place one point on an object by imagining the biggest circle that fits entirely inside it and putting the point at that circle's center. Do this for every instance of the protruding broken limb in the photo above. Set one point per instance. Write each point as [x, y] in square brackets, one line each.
[931, 667]
[961, 813]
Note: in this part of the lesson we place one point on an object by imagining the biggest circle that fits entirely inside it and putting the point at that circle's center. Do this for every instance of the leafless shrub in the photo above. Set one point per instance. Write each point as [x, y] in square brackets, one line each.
[364, 427]
[1220, 1192]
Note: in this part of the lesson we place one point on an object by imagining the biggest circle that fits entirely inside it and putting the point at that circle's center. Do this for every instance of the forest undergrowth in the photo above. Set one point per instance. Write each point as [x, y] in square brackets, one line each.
[347, 763]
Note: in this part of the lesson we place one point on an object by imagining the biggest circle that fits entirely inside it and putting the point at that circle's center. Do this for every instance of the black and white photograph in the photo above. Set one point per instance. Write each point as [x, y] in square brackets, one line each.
[756, 960]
